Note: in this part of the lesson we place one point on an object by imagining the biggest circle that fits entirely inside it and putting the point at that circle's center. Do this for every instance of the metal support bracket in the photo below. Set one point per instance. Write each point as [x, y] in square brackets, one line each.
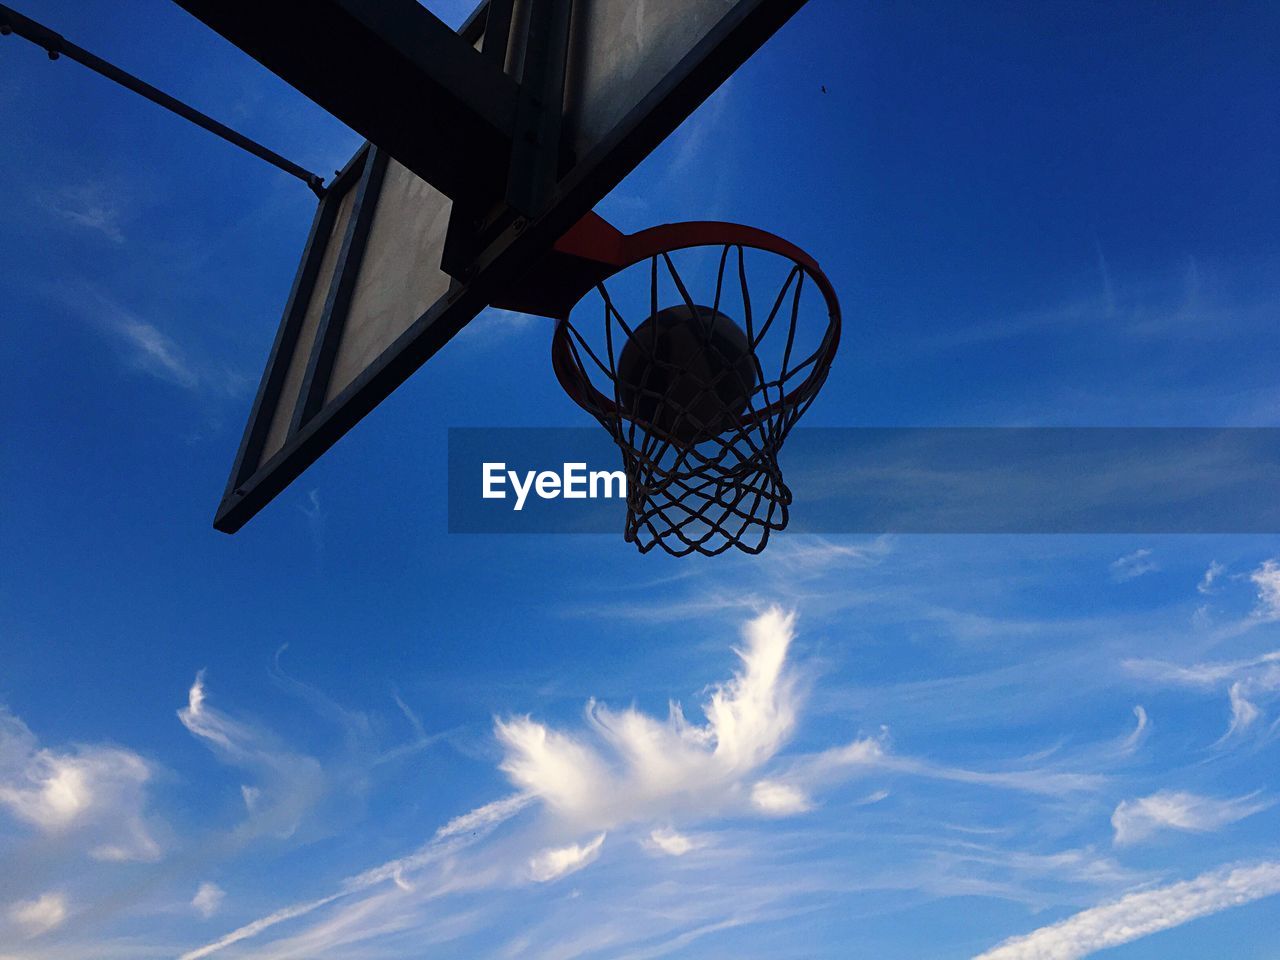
[535, 144]
[392, 71]
[535, 153]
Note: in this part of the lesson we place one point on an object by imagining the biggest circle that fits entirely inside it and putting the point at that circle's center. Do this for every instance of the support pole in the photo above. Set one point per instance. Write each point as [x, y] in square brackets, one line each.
[57, 45]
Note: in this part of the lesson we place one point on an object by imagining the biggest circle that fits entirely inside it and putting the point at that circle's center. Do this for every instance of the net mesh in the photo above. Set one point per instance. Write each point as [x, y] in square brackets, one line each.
[702, 476]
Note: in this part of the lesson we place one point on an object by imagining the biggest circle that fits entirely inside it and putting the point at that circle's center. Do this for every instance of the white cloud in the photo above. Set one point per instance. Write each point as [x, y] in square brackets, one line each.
[144, 345]
[257, 926]
[494, 325]
[1205, 675]
[459, 832]
[1133, 565]
[88, 206]
[776, 799]
[809, 555]
[1267, 579]
[208, 899]
[152, 350]
[668, 841]
[1140, 732]
[1137, 820]
[489, 815]
[1140, 914]
[1046, 781]
[97, 793]
[1211, 575]
[633, 777]
[288, 784]
[41, 915]
[1244, 713]
[654, 767]
[558, 862]
[638, 768]
[873, 754]
[1246, 682]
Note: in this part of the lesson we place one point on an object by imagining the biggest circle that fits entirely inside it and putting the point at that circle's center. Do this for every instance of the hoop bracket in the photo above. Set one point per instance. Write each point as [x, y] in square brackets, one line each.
[593, 250]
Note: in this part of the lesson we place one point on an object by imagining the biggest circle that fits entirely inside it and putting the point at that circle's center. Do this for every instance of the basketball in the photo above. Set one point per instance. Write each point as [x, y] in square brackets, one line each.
[686, 372]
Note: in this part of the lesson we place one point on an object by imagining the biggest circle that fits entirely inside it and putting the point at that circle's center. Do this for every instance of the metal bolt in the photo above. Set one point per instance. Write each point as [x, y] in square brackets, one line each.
[520, 224]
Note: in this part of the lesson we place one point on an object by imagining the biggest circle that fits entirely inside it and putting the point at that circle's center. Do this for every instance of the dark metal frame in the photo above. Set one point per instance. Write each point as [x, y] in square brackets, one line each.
[364, 174]
[535, 142]
[333, 319]
[494, 269]
[392, 71]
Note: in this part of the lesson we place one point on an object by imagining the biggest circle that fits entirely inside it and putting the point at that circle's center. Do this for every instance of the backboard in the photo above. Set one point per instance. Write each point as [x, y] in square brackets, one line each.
[485, 147]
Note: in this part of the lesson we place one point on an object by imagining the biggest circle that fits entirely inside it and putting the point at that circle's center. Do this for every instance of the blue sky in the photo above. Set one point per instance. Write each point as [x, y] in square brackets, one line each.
[345, 733]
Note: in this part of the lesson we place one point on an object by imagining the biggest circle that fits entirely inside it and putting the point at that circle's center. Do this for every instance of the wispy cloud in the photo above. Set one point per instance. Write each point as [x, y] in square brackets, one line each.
[776, 799]
[873, 754]
[485, 817]
[655, 767]
[1141, 914]
[1245, 682]
[1211, 575]
[1244, 712]
[89, 206]
[1133, 565]
[708, 603]
[671, 842]
[96, 794]
[150, 349]
[258, 926]
[1140, 819]
[634, 769]
[41, 915]
[1267, 579]
[495, 325]
[208, 899]
[1204, 675]
[1170, 305]
[809, 555]
[1140, 732]
[556, 862]
[454, 836]
[147, 344]
[604, 799]
[286, 784]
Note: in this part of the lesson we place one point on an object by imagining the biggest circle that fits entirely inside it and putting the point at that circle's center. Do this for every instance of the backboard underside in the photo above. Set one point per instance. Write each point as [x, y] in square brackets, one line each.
[372, 299]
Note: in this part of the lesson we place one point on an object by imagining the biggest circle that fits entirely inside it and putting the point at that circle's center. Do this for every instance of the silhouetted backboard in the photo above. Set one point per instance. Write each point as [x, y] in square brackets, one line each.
[425, 227]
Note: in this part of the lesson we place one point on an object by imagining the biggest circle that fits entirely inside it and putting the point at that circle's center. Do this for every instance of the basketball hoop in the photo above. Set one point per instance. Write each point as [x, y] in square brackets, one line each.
[476, 191]
[697, 378]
